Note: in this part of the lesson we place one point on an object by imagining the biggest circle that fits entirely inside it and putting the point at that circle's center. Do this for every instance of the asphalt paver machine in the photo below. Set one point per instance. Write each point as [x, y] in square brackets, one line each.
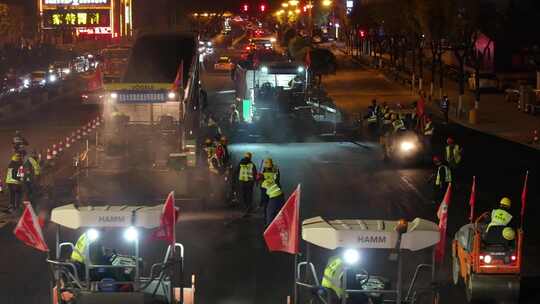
[114, 277]
[352, 237]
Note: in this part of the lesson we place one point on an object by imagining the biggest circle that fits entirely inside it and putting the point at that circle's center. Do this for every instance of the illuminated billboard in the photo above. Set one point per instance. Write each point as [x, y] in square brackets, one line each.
[76, 18]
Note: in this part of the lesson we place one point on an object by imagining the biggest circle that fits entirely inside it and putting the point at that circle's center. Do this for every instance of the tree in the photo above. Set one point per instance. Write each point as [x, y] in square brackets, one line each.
[298, 47]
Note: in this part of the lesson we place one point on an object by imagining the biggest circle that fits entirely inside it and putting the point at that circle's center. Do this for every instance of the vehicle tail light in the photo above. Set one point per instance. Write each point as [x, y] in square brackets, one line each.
[513, 257]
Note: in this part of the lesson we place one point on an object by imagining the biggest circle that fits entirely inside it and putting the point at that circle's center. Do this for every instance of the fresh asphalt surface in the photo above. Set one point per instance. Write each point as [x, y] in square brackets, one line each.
[339, 180]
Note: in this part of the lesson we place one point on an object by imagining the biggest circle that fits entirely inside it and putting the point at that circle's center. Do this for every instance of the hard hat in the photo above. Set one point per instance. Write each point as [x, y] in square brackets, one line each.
[506, 202]
[509, 234]
[223, 139]
[393, 116]
[16, 157]
[247, 155]
[268, 163]
[208, 141]
[450, 141]
[436, 159]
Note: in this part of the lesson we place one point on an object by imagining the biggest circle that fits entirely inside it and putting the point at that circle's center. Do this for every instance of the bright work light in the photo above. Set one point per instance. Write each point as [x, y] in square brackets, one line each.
[351, 256]
[92, 234]
[131, 234]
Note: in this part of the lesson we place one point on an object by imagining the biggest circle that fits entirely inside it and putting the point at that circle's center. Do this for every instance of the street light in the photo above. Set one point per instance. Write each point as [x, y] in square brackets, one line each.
[285, 4]
[293, 2]
[327, 3]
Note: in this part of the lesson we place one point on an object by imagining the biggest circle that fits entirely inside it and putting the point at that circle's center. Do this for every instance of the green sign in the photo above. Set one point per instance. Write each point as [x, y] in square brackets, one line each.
[247, 110]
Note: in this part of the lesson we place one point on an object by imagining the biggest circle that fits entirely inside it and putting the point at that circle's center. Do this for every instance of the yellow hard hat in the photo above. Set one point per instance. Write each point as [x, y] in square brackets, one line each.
[16, 157]
[509, 234]
[247, 155]
[223, 139]
[268, 163]
[208, 141]
[506, 202]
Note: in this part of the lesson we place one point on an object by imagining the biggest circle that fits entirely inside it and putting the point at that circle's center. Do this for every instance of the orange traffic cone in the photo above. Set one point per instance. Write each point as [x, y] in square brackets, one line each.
[60, 147]
[54, 151]
[84, 132]
[68, 142]
[49, 154]
[98, 121]
[79, 134]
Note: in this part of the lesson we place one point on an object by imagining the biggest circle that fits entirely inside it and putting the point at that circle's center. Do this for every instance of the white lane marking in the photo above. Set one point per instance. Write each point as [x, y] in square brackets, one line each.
[414, 189]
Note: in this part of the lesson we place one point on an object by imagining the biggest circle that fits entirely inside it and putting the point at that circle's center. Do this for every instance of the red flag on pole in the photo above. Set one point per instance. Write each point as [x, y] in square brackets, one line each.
[179, 79]
[283, 232]
[472, 199]
[308, 59]
[524, 196]
[166, 231]
[29, 231]
[442, 214]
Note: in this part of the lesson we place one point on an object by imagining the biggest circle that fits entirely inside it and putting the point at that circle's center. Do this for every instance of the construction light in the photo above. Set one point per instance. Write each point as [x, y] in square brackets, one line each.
[264, 69]
[52, 78]
[131, 234]
[285, 4]
[327, 3]
[300, 69]
[487, 259]
[114, 95]
[351, 256]
[407, 146]
[92, 234]
[293, 2]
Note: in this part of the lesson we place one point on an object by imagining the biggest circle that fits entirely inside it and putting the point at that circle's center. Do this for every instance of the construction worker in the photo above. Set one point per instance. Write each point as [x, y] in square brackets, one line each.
[332, 279]
[445, 107]
[32, 170]
[270, 172]
[14, 182]
[427, 131]
[234, 116]
[276, 199]
[452, 153]
[442, 177]
[397, 123]
[245, 175]
[222, 152]
[500, 216]
[19, 142]
[372, 118]
[211, 157]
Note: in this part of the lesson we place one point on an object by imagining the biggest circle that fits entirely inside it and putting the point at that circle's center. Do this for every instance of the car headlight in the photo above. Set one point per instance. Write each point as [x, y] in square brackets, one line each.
[407, 146]
[52, 78]
[26, 82]
[66, 71]
[171, 95]
[114, 95]
[42, 81]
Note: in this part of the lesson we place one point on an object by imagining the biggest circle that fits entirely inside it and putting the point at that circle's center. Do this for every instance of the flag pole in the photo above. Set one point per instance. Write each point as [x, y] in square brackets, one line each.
[296, 300]
[523, 200]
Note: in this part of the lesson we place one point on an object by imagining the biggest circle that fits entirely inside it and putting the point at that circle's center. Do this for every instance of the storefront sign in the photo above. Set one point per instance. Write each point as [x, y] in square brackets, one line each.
[76, 2]
[76, 18]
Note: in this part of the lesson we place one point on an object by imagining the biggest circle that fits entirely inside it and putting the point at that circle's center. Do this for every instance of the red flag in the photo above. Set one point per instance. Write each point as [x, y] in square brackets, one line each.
[95, 82]
[283, 232]
[442, 214]
[472, 199]
[524, 196]
[28, 229]
[308, 59]
[179, 79]
[421, 107]
[166, 231]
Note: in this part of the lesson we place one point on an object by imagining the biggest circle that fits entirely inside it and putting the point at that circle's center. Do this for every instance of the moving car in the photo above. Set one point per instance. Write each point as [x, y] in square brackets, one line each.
[223, 64]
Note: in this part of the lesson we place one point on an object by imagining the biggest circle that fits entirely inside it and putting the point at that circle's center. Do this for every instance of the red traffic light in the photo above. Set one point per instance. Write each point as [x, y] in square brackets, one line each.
[361, 33]
[245, 7]
[263, 8]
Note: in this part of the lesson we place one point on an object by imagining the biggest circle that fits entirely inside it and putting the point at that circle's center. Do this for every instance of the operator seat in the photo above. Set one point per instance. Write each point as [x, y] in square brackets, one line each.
[493, 240]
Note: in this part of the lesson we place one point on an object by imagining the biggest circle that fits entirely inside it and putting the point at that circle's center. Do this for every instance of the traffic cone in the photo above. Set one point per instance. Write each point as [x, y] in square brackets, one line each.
[98, 121]
[78, 134]
[54, 151]
[60, 147]
[535, 140]
[40, 157]
[84, 132]
[68, 142]
[49, 154]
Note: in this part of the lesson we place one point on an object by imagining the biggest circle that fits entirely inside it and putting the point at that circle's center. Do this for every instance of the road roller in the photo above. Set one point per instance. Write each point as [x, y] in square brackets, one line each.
[488, 267]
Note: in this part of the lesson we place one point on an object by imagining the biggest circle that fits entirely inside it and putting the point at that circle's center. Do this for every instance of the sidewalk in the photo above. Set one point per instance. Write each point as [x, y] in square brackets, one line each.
[495, 116]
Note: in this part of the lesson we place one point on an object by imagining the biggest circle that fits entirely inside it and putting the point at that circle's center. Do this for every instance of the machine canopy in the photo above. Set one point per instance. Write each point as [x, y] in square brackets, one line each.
[74, 217]
[358, 233]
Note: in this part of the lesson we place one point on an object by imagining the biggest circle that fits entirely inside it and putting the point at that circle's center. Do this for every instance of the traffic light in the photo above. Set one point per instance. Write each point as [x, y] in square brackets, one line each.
[263, 8]
[245, 7]
[362, 34]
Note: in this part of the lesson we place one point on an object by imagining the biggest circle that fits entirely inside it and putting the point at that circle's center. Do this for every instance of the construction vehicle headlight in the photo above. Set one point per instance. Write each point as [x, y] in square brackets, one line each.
[171, 95]
[351, 256]
[264, 69]
[114, 95]
[92, 234]
[300, 69]
[131, 234]
[407, 146]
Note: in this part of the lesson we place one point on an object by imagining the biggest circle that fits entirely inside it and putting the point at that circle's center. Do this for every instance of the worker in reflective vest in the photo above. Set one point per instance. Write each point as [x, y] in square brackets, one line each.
[372, 118]
[269, 172]
[442, 177]
[452, 153]
[14, 182]
[246, 173]
[500, 216]
[333, 278]
[276, 199]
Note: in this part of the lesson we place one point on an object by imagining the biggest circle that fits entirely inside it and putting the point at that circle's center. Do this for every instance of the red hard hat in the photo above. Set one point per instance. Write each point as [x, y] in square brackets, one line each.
[450, 140]
[436, 158]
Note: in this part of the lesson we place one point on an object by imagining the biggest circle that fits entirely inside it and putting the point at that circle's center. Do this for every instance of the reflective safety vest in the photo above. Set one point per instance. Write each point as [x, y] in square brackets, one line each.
[333, 273]
[499, 217]
[447, 178]
[372, 117]
[453, 155]
[428, 129]
[10, 179]
[398, 124]
[270, 173]
[79, 251]
[210, 151]
[273, 191]
[35, 165]
[246, 172]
